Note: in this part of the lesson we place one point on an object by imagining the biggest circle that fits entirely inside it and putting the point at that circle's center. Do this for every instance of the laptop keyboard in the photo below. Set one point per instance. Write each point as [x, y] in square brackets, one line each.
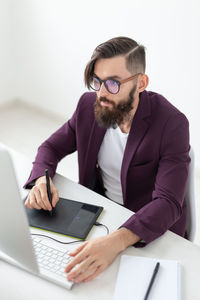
[52, 259]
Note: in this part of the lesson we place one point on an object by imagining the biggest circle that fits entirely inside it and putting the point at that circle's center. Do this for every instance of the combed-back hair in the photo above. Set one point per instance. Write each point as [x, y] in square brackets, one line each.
[133, 52]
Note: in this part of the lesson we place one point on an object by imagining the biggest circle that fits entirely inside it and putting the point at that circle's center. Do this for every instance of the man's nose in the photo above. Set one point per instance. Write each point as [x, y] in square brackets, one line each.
[103, 91]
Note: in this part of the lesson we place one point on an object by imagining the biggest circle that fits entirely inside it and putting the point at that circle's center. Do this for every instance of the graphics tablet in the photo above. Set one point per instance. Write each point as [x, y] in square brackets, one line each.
[69, 217]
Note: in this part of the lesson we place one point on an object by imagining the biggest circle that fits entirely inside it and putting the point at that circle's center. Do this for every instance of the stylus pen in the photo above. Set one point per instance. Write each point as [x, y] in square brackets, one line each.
[152, 280]
[48, 189]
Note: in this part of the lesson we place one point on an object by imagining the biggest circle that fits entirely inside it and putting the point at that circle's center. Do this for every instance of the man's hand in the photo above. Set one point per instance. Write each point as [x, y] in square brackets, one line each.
[94, 256]
[38, 197]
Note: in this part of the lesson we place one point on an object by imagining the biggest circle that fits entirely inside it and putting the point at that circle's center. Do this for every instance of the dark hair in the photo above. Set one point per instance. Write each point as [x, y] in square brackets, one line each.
[133, 52]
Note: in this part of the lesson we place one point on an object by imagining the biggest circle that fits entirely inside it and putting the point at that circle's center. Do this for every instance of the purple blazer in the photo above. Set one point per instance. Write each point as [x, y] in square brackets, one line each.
[154, 168]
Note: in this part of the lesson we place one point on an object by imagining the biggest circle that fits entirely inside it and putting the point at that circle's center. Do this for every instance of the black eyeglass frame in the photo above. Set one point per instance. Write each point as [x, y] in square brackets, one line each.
[117, 81]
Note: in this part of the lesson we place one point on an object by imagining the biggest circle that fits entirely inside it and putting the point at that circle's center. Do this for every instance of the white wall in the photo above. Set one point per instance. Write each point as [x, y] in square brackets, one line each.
[7, 92]
[54, 39]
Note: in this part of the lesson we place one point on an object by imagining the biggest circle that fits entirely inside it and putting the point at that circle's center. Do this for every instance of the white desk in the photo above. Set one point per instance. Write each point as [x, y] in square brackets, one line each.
[20, 285]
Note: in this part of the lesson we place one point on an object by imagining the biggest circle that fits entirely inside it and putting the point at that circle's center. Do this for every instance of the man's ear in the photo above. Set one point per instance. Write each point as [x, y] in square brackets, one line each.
[142, 82]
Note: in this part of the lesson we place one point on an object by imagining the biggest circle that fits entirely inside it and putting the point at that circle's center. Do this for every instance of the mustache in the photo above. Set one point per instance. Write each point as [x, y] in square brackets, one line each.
[104, 99]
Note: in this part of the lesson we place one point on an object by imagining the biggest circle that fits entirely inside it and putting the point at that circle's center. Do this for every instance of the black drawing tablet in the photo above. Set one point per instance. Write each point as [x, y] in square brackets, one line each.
[69, 217]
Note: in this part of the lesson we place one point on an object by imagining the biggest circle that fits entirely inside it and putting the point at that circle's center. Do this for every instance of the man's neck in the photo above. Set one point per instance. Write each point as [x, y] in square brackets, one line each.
[125, 127]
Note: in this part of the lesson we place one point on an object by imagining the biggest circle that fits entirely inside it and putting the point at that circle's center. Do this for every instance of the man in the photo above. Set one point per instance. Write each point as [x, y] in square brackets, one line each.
[132, 147]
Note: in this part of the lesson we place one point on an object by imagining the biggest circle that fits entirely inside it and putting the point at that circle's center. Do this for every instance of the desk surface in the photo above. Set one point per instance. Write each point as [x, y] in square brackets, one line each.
[20, 285]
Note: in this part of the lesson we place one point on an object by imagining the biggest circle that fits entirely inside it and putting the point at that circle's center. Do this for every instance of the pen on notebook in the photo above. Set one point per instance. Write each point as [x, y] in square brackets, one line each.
[155, 271]
[48, 189]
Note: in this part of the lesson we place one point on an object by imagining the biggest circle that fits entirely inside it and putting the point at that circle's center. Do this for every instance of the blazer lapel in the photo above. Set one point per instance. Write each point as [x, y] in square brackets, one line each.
[95, 141]
[139, 127]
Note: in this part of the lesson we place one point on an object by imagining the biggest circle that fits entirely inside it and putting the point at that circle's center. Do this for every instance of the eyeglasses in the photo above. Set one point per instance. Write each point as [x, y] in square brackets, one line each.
[111, 85]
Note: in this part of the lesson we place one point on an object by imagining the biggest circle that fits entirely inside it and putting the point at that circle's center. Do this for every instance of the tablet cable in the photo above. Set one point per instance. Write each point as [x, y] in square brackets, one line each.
[66, 243]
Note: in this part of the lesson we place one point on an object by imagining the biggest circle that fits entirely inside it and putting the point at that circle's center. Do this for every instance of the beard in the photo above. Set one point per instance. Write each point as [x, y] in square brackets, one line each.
[119, 113]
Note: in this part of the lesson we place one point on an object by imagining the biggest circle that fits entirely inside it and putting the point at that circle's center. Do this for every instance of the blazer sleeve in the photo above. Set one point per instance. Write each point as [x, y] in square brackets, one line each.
[57, 146]
[165, 207]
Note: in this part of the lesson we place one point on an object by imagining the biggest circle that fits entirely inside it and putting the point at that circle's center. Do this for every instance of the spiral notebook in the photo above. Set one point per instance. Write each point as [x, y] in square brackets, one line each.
[135, 274]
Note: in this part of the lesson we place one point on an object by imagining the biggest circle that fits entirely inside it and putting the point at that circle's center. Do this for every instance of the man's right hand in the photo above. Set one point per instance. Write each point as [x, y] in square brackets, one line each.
[38, 197]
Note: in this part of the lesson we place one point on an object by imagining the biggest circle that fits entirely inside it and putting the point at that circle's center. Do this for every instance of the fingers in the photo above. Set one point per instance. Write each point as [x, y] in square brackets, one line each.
[55, 197]
[38, 197]
[95, 274]
[76, 259]
[31, 202]
[85, 270]
[44, 200]
[85, 264]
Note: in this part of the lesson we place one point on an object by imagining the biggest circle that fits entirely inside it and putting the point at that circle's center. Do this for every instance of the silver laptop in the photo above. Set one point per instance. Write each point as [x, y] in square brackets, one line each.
[40, 256]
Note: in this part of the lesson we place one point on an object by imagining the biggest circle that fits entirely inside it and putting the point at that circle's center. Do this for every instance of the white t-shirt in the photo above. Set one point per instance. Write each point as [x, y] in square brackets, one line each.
[110, 161]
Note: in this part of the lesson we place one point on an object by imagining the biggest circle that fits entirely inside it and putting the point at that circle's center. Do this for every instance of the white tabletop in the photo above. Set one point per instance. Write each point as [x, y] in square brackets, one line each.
[20, 285]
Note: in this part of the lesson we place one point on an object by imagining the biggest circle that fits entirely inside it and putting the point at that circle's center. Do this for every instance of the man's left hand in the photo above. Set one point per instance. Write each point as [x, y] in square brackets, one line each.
[92, 257]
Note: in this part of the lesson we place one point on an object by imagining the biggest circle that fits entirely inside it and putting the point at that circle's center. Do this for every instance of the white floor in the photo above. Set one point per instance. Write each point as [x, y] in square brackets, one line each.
[24, 128]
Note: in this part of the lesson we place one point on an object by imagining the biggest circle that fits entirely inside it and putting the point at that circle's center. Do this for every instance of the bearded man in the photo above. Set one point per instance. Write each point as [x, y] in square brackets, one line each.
[133, 148]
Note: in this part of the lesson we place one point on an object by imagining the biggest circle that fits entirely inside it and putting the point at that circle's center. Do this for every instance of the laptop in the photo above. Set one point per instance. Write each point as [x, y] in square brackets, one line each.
[39, 256]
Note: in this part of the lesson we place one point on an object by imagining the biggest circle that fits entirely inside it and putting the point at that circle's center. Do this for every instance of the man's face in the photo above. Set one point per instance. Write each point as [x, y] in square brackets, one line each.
[113, 108]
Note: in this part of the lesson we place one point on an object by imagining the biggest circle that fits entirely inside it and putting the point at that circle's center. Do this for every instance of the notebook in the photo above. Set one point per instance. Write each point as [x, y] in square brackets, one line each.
[69, 217]
[135, 274]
